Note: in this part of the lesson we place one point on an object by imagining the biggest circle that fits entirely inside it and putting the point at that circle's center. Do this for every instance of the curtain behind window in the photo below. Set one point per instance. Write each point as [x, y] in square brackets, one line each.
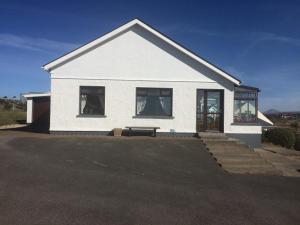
[92, 100]
[140, 104]
[154, 102]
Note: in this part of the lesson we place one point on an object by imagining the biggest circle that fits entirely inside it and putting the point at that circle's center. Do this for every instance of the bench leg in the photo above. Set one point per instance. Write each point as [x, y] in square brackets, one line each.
[154, 133]
[129, 133]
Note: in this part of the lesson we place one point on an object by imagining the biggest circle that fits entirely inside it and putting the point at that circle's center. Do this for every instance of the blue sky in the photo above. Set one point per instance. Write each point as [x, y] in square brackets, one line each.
[257, 41]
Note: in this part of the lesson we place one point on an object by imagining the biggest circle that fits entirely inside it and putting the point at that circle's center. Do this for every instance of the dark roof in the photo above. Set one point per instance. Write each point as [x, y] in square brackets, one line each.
[248, 87]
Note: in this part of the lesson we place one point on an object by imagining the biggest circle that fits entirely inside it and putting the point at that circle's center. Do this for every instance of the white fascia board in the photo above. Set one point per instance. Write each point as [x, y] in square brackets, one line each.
[85, 47]
[37, 95]
[261, 116]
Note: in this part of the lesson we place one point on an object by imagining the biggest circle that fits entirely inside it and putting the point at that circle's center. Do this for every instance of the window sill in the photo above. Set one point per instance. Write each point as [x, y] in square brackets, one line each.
[153, 117]
[246, 124]
[91, 116]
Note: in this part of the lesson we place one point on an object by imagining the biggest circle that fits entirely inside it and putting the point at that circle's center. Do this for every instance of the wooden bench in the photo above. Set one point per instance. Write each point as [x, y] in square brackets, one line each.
[142, 128]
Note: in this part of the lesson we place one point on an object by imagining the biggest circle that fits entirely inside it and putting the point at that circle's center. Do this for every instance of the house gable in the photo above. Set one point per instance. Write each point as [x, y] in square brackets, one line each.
[135, 52]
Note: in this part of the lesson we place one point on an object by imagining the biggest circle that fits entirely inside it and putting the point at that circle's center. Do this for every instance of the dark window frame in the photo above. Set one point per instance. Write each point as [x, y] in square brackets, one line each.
[204, 113]
[153, 116]
[246, 98]
[91, 115]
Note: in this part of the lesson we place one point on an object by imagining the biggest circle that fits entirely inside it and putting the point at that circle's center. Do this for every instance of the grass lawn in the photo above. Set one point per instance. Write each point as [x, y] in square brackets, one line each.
[9, 117]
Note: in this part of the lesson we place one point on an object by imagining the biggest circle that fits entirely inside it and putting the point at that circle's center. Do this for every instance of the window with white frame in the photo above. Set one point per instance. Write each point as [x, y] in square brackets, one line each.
[92, 100]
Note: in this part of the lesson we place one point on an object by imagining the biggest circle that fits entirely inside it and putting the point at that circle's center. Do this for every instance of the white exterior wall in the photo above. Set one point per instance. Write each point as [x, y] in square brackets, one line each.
[120, 103]
[133, 59]
[120, 97]
[243, 129]
[135, 55]
[29, 111]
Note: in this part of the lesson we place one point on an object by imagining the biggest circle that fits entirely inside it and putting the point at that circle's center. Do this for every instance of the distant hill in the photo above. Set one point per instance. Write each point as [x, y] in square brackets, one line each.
[272, 112]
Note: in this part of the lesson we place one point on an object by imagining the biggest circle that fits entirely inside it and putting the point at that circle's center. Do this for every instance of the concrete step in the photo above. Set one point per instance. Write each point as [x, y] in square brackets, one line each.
[231, 151]
[225, 144]
[228, 158]
[258, 171]
[216, 139]
[219, 142]
[211, 135]
[248, 167]
[228, 148]
[242, 160]
[233, 155]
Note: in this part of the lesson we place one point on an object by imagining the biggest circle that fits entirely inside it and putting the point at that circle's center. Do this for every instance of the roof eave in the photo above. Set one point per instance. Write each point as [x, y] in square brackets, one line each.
[37, 95]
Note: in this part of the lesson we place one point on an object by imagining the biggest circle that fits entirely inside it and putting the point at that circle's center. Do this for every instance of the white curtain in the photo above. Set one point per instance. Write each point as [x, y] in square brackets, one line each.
[101, 100]
[165, 103]
[82, 103]
[140, 105]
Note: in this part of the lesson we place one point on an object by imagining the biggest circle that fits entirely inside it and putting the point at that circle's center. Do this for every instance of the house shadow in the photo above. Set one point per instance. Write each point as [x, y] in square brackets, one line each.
[144, 133]
[36, 127]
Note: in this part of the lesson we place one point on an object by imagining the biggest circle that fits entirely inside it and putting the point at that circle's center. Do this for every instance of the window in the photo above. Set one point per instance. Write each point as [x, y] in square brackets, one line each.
[245, 105]
[154, 102]
[92, 100]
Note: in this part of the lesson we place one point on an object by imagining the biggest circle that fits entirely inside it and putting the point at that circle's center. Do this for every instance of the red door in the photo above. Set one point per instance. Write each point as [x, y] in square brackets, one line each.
[41, 112]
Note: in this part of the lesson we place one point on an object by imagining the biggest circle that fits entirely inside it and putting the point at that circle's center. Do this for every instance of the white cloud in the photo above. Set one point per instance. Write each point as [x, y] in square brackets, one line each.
[34, 44]
[258, 38]
[253, 37]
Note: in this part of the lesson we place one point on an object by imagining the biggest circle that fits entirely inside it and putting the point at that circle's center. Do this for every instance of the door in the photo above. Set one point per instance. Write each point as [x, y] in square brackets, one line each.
[209, 110]
[41, 113]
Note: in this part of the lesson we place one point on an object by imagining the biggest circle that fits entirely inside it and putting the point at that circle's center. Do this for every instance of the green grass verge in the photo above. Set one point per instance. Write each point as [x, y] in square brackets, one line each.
[8, 117]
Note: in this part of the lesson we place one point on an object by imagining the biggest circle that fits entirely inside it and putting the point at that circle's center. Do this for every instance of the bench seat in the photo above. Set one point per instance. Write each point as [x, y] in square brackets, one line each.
[130, 128]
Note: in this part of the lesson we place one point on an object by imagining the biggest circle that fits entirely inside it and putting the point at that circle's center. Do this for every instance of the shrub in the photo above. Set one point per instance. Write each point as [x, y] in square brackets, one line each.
[264, 137]
[282, 136]
[294, 124]
[297, 144]
[7, 106]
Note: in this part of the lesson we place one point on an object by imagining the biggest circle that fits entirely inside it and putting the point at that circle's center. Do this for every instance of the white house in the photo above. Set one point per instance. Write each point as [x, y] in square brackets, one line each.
[136, 76]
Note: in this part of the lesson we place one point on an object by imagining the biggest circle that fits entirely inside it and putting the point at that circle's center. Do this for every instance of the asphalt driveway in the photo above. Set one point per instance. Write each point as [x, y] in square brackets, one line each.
[80, 180]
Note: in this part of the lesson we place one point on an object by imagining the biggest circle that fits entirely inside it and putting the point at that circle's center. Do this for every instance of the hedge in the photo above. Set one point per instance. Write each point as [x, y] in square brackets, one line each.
[281, 136]
[264, 137]
[297, 144]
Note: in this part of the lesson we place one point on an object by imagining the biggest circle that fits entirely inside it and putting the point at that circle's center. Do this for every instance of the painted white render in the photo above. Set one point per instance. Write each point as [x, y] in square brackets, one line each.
[135, 56]
[120, 97]
[29, 104]
[29, 111]
[144, 28]
[264, 118]
[243, 129]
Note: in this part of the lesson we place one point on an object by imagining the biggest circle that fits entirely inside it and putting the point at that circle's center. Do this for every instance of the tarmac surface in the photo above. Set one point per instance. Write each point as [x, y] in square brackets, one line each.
[61, 180]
